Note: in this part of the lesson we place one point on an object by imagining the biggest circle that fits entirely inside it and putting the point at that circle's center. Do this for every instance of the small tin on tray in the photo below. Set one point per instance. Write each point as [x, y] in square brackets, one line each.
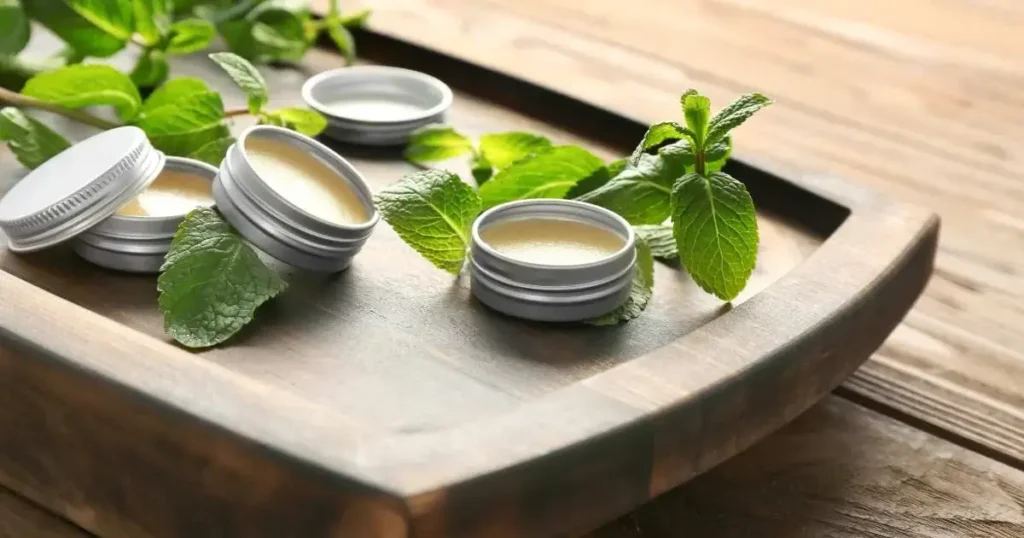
[558, 292]
[138, 244]
[376, 105]
[281, 228]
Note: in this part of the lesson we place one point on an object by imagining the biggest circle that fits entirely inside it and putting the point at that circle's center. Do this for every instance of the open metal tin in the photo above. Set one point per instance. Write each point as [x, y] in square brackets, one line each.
[544, 292]
[280, 228]
[138, 244]
[376, 105]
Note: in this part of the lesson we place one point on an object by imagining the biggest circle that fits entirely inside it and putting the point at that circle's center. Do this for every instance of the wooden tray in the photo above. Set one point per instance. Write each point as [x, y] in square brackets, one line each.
[385, 402]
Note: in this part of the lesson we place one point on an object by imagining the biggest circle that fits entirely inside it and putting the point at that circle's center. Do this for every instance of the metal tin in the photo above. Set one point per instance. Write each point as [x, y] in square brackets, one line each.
[78, 188]
[552, 292]
[423, 100]
[278, 227]
[137, 244]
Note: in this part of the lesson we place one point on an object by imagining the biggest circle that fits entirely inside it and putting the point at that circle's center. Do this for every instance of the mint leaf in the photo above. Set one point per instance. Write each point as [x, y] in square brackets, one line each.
[641, 194]
[432, 211]
[640, 293]
[65, 19]
[14, 27]
[78, 86]
[658, 134]
[213, 152]
[546, 175]
[697, 111]
[246, 76]
[481, 169]
[182, 116]
[31, 142]
[355, 19]
[278, 33]
[152, 20]
[436, 143]
[185, 143]
[680, 153]
[660, 239]
[718, 154]
[504, 149]
[190, 35]
[597, 179]
[733, 115]
[211, 282]
[173, 92]
[151, 69]
[715, 226]
[306, 121]
[342, 39]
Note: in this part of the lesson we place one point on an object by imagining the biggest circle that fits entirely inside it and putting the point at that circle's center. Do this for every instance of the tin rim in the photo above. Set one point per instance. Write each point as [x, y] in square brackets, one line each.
[625, 229]
[379, 71]
[357, 182]
[205, 170]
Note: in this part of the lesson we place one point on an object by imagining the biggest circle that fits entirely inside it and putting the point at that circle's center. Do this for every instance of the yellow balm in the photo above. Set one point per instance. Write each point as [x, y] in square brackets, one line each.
[303, 180]
[552, 241]
[173, 193]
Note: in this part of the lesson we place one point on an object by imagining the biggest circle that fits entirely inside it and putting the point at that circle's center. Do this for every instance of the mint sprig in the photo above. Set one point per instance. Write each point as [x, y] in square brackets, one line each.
[212, 282]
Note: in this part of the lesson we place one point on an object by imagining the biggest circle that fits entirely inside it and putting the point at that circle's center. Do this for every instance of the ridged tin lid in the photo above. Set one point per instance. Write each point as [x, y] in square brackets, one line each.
[78, 188]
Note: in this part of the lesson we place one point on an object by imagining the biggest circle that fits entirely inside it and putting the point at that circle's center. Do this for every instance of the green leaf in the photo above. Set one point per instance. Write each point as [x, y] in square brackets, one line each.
[718, 154]
[151, 69]
[247, 78]
[211, 282]
[173, 92]
[306, 121]
[278, 34]
[238, 35]
[213, 152]
[641, 194]
[657, 135]
[152, 20]
[78, 86]
[481, 169]
[697, 111]
[65, 18]
[735, 114]
[190, 35]
[681, 153]
[639, 295]
[184, 144]
[432, 211]
[597, 179]
[356, 19]
[547, 175]
[14, 27]
[31, 142]
[436, 143]
[715, 226]
[504, 149]
[343, 40]
[660, 239]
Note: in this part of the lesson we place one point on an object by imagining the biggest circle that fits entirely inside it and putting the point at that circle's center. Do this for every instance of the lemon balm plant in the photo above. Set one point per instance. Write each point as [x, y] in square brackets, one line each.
[258, 30]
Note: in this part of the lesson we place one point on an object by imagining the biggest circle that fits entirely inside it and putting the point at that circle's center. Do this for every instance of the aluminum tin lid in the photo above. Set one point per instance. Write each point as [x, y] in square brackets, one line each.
[377, 96]
[78, 188]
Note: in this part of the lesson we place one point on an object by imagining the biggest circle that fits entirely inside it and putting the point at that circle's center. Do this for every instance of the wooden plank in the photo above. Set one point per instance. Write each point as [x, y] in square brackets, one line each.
[22, 519]
[918, 99]
[840, 471]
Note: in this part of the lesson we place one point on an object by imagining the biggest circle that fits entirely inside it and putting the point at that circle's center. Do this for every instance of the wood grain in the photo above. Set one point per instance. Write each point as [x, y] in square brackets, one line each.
[22, 519]
[386, 403]
[918, 99]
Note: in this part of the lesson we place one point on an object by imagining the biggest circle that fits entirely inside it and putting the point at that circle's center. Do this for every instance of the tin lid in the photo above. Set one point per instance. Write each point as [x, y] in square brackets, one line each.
[377, 97]
[78, 188]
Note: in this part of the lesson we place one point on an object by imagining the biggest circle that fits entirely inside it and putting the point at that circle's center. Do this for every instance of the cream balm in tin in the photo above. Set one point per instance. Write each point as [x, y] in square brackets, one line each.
[376, 105]
[295, 199]
[138, 236]
[552, 260]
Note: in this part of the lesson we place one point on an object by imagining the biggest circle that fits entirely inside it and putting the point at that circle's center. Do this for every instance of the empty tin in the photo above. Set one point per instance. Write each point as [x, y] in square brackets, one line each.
[78, 188]
[137, 244]
[278, 227]
[544, 292]
[376, 105]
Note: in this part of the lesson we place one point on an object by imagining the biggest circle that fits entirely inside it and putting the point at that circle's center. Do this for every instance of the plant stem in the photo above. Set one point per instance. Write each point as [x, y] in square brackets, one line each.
[21, 101]
[236, 112]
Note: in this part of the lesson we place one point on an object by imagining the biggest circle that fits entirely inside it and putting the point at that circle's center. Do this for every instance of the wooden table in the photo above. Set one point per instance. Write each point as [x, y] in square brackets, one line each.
[920, 99]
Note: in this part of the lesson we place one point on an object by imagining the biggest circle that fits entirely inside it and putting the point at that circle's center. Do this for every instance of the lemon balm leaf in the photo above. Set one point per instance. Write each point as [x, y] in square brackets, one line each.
[212, 282]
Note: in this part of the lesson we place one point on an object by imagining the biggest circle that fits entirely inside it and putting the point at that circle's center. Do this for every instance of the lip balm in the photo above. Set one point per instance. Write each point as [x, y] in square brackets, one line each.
[552, 241]
[137, 237]
[295, 199]
[552, 260]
